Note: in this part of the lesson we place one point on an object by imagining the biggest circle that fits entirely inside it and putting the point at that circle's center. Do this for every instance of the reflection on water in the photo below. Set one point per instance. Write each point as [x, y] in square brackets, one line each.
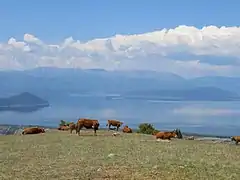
[200, 117]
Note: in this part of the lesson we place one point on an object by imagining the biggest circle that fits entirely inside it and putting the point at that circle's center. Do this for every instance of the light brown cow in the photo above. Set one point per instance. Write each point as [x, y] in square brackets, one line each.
[236, 139]
[63, 128]
[72, 126]
[88, 124]
[166, 135]
[126, 129]
[33, 130]
[114, 123]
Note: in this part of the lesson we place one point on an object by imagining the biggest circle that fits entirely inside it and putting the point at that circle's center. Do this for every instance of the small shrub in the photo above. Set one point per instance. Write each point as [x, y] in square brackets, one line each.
[146, 128]
[179, 133]
[64, 123]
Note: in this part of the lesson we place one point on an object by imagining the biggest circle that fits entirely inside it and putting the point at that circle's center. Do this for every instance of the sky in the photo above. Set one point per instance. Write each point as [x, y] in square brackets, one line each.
[189, 38]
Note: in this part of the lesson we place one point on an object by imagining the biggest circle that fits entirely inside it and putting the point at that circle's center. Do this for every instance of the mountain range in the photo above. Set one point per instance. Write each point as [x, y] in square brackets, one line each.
[48, 82]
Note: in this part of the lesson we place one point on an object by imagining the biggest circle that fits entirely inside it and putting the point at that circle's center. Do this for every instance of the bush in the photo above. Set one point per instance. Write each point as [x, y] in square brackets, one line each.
[179, 133]
[146, 128]
[64, 123]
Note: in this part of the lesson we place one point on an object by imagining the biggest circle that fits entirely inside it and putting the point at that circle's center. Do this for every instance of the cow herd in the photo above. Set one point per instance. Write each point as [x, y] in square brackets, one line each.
[94, 124]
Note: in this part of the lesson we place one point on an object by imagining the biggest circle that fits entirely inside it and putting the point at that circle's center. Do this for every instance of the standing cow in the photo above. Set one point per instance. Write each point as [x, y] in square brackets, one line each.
[114, 123]
[72, 126]
[88, 124]
[236, 139]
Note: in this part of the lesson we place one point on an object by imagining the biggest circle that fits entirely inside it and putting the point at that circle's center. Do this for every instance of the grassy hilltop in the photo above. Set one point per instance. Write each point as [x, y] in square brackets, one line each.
[61, 155]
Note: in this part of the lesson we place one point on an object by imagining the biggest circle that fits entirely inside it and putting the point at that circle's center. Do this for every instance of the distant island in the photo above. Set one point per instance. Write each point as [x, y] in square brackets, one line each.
[24, 102]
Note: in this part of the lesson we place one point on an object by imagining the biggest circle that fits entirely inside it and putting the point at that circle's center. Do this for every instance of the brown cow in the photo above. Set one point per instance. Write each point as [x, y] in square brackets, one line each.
[33, 130]
[166, 135]
[126, 129]
[88, 124]
[114, 123]
[63, 128]
[72, 126]
[236, 139]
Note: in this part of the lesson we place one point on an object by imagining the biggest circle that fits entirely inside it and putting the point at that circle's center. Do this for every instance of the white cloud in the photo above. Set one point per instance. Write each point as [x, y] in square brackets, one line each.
[29, 38]
[184, 50]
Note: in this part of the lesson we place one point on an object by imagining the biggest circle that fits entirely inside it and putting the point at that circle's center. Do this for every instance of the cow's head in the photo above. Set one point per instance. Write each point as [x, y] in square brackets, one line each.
[175, 135]
[42, 130]
[233, 139]
[95, 125]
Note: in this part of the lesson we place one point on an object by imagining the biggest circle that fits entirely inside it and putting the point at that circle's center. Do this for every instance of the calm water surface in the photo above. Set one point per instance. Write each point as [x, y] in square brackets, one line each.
[218, 118]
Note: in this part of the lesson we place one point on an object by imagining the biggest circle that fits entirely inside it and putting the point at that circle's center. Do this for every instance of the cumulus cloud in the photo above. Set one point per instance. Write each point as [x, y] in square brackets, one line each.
[184, 50]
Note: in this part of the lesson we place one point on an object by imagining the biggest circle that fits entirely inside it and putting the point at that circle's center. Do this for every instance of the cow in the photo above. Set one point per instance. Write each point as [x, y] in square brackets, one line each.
[166, 135]
[72, 126]
[33, 130]
[126, 129]
[88, 124]
[236, 139]
[114, 123]
[63, 128]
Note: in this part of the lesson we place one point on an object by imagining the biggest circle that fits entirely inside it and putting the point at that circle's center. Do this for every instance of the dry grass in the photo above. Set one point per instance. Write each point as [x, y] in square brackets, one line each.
[60, 155]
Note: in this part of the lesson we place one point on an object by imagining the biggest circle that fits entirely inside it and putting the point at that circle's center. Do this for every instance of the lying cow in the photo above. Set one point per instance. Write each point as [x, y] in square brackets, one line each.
[166, 135]
[126, 129]
[88, 124]
[63, 128]
[236, 139]
[33, 130]
[114, 123]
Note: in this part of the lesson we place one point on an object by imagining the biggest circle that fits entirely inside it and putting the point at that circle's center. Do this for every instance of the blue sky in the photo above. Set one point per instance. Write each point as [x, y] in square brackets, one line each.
[184, 37]
[87, 19]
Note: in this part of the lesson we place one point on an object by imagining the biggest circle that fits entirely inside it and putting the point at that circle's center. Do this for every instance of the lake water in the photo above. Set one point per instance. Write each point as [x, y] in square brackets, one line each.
[217, 118]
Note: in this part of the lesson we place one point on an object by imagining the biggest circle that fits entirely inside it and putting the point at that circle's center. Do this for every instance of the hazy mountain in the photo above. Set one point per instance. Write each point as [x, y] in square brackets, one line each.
[80, 81]
[50, 83]
[227, 83]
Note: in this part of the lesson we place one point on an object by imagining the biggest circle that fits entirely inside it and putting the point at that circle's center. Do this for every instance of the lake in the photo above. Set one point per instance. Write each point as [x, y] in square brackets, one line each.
[216, 118]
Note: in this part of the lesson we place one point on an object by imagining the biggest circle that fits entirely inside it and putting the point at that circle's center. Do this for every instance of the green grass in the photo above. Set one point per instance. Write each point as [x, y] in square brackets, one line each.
[61, 155]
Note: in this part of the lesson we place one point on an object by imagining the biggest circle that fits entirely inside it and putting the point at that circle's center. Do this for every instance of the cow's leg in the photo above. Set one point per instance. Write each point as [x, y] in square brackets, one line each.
[236, 142]
[79, 127]
[109, 126]
[95, 132]
[117, 127]
[76, 129]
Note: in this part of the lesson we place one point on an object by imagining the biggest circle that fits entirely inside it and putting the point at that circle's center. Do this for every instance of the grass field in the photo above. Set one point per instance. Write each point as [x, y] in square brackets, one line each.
[61, 155]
